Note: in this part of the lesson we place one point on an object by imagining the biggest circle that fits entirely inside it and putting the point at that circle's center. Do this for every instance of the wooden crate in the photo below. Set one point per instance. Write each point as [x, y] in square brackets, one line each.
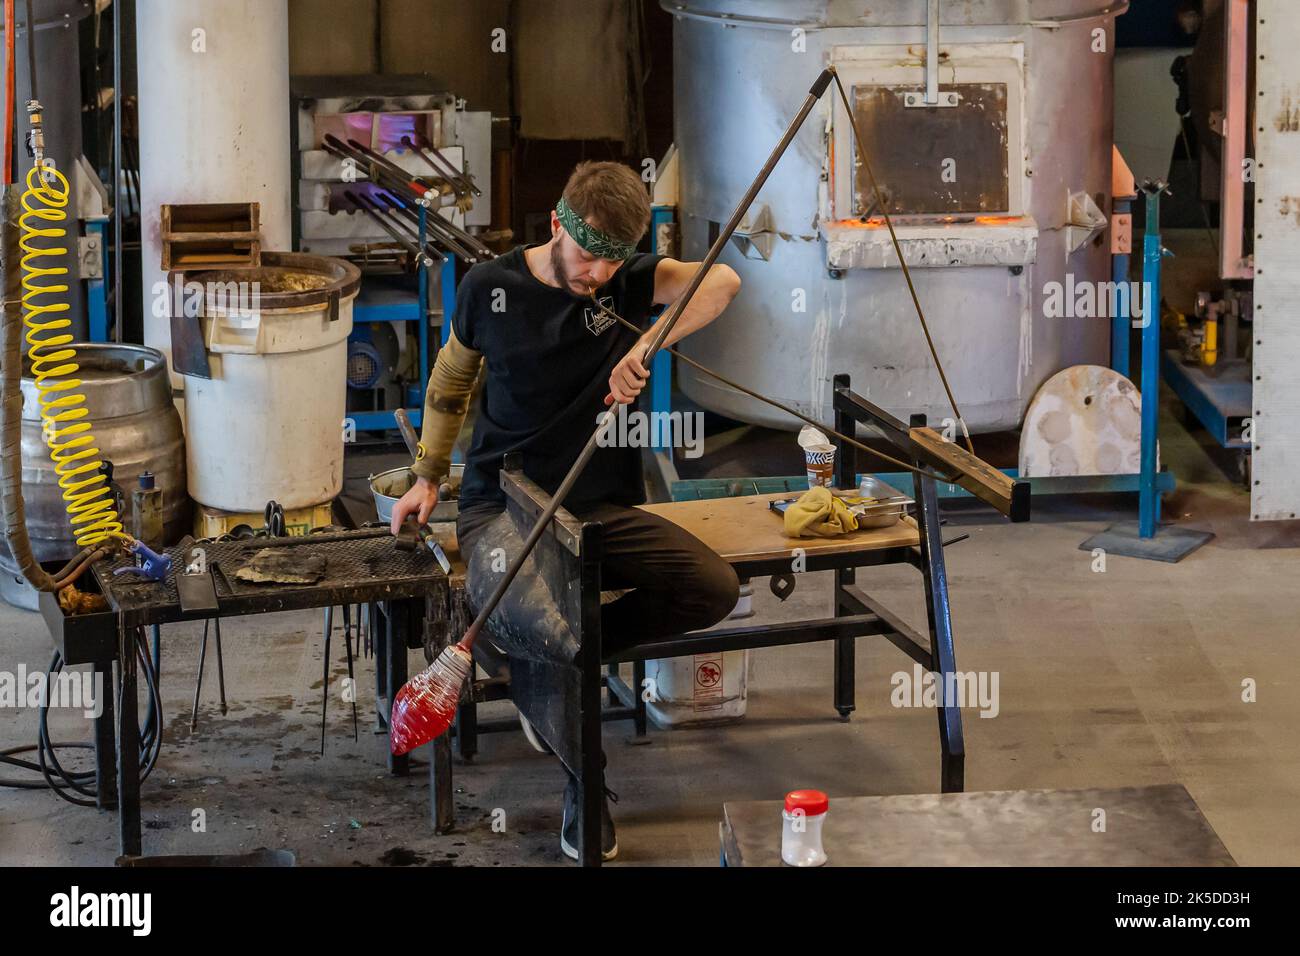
[210, 235]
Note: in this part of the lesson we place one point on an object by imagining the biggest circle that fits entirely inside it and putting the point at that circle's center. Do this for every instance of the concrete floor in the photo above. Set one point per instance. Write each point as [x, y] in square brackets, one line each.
[1127, 677]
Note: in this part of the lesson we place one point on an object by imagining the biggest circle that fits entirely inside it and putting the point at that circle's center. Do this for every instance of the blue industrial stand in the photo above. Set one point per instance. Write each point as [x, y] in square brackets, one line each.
[385, 420]
[1146, 537]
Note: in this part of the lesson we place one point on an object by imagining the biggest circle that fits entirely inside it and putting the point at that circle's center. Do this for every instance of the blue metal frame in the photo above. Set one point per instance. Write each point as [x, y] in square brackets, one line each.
[405, 312]
[661, 372]
[1221, 403]
[1121, 322]
[97, 289]
[422, 278]
[1152, 250]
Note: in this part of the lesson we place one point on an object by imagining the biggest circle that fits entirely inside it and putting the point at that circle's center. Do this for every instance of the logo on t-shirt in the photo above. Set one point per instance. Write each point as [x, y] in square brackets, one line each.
[598, 322]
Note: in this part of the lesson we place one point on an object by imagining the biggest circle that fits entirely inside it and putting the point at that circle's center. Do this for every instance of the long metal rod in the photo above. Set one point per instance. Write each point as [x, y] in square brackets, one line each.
[699, 366]
[465, 178]
[459, 242]
[669, 319]
[117, 172]
[410, 219]
[444, 230]
[665, 326]
[443, 168]
[31, 49]
[394, 179]
[902, 262]
[368, 207]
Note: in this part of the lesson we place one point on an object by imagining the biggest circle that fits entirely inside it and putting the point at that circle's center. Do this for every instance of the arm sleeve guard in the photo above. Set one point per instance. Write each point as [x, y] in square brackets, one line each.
[445, 403]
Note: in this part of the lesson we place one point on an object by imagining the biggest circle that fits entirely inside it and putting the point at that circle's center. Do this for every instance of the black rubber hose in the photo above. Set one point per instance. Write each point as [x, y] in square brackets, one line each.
[64, 782]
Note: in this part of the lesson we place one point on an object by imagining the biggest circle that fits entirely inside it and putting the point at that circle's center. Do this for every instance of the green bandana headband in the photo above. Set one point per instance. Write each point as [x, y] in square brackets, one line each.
[589, 237]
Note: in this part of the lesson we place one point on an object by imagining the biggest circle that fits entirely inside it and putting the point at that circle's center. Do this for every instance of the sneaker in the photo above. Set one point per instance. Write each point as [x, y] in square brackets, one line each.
[569, 822]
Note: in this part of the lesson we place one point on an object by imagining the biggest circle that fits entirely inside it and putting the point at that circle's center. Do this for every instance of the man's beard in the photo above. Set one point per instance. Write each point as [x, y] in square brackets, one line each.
[562, 276]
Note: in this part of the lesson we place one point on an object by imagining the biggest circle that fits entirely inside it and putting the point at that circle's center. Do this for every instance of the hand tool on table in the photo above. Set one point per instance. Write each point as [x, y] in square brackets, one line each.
[412, 535]
[153, 566]
[195, 587]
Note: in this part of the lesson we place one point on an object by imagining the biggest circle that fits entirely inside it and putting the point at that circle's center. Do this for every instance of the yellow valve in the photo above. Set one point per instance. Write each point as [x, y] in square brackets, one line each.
[86, 493]
[1210, 350]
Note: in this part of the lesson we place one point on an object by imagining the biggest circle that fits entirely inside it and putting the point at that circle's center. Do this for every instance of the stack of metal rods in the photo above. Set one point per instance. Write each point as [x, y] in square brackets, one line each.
[393, 205]
[460, 183]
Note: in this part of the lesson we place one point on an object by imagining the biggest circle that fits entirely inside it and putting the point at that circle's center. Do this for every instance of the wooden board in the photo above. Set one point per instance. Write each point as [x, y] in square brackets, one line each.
[746, 529]
[975, 475]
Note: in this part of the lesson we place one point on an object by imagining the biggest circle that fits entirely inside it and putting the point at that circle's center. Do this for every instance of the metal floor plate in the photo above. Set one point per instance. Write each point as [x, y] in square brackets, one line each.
[1171, 543]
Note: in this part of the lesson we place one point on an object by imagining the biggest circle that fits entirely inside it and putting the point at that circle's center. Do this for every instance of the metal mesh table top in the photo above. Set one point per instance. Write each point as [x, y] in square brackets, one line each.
[360, 566]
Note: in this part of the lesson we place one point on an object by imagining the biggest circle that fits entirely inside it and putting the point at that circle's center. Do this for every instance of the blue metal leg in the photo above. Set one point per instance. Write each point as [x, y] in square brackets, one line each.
[1148, 496]
[1120, 323]
[422, 273]
[447, 285]
[96, 289]
[661, 371]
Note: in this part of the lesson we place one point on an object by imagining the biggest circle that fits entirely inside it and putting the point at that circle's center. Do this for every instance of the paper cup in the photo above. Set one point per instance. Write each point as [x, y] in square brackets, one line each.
[820, 463]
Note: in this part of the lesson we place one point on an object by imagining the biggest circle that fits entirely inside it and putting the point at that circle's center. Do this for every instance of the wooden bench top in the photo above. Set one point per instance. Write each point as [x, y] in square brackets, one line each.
[738, 529]
[746, 529]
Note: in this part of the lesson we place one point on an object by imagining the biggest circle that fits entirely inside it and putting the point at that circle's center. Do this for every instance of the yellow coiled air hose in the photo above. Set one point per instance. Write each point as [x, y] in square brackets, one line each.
[86, 493]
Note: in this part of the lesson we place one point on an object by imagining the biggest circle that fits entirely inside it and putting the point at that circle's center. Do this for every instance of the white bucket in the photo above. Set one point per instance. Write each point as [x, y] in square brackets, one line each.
[268, 425]
[703, 688]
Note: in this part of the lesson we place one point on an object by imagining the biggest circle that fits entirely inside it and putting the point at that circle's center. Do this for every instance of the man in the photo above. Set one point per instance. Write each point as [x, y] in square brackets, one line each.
[552, 358]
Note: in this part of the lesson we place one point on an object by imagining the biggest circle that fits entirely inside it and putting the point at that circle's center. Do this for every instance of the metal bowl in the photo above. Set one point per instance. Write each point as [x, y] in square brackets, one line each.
[389, 486]
[886, 504]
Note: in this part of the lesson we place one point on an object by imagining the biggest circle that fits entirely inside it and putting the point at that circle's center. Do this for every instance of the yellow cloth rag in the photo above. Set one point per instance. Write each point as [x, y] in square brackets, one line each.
[819, 514]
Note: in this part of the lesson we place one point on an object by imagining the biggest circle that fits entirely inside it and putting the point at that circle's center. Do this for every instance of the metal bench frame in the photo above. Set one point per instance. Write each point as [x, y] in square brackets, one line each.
[569, 558]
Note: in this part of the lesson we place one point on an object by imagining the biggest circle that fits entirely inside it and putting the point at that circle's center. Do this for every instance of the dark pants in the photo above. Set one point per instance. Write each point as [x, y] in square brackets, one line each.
[678, 583]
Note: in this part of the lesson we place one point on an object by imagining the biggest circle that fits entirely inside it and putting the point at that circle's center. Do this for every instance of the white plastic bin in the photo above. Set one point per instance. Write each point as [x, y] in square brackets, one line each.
[703, 688]
[269, 424]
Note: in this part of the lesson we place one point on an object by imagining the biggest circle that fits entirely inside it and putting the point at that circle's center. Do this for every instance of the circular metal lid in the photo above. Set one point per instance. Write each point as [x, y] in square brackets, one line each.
[289, 280]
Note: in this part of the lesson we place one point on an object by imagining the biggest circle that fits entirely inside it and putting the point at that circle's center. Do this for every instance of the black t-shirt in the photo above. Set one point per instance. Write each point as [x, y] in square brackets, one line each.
[548, 357]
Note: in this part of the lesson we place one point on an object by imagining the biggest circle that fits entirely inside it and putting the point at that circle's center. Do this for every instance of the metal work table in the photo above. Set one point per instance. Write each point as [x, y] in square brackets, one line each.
[1144, 826]
[407, 591]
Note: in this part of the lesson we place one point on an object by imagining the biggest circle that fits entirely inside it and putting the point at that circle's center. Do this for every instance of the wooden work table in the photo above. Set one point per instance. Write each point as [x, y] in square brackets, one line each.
[744, 530]
[741, 530]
